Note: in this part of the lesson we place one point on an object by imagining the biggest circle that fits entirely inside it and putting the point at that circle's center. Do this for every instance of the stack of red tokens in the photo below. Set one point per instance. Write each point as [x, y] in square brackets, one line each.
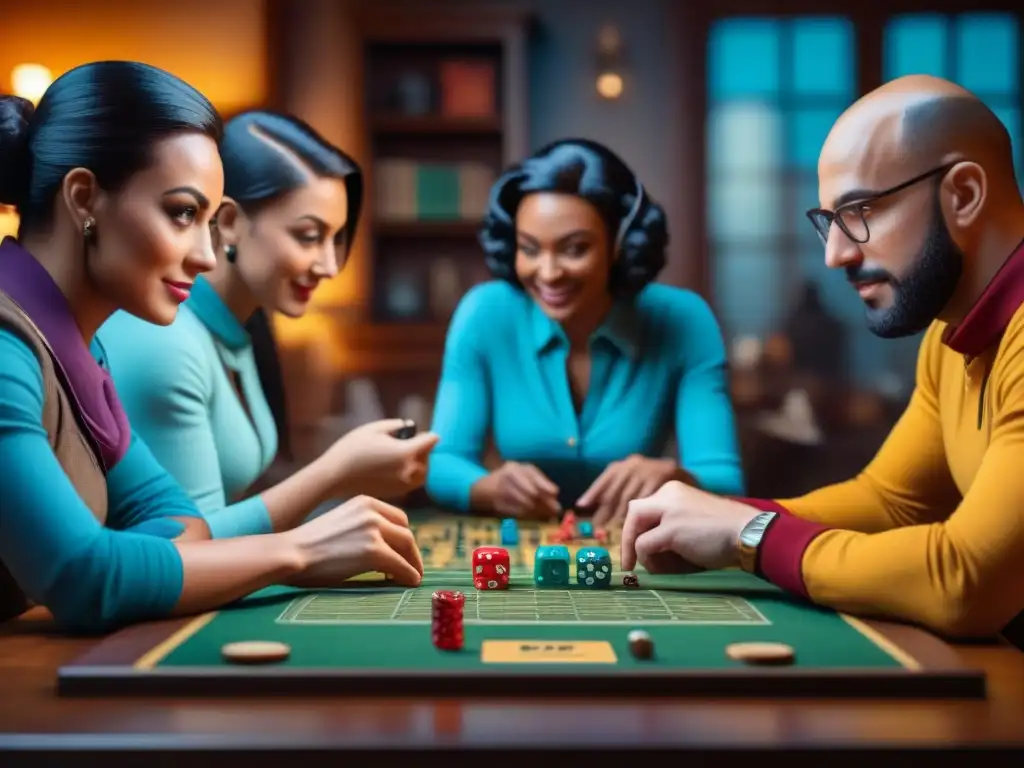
[446, 624]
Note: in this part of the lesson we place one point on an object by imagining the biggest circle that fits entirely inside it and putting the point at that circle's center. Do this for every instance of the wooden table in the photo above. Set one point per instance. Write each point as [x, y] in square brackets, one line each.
[327, 731]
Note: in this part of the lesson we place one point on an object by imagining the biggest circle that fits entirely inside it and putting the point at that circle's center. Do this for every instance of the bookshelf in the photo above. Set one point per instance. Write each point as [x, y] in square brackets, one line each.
[446, 112]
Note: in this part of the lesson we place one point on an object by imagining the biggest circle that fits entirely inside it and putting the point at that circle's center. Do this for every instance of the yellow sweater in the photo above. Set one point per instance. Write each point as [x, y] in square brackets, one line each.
[932, 531]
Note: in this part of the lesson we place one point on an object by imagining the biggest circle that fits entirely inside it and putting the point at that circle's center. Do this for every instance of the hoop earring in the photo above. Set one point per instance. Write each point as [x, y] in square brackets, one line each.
[230, 253]
[89, 230]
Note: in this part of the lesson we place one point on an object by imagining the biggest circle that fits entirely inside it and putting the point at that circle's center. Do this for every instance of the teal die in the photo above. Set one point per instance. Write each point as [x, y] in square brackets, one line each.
[551, 566]
[594, 568]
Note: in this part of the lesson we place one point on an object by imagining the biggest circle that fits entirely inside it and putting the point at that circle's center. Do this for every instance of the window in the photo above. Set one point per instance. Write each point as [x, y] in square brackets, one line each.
[775, 88]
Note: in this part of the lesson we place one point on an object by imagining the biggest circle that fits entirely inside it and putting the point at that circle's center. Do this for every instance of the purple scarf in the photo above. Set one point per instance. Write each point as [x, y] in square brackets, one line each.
[91, 389]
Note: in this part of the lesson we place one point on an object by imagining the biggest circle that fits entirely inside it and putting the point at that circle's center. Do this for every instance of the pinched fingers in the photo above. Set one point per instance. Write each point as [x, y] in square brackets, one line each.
[396, 553]
[642, 516]
[387, 511]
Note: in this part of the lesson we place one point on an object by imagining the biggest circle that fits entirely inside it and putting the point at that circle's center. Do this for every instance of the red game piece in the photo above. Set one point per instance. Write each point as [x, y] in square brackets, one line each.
[446, 620]
[601, 535]
[491, 567]
[567, 528]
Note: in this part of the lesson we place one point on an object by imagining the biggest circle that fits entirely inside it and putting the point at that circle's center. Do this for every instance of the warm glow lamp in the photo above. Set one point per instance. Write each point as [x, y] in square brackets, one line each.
[610, 50]
[609, 85]
[30, 81]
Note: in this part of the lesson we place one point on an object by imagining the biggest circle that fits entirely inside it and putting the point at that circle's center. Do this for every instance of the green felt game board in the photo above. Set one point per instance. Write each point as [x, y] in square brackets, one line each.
[374, 637]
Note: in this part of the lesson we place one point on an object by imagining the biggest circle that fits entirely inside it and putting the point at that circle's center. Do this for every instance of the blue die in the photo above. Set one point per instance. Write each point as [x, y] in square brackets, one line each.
[551, 566]
[585, 528]
[509, 532]
[593, 567]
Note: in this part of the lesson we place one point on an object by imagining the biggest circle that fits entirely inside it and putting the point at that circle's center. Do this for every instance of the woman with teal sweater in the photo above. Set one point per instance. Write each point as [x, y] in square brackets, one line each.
[573, 362]
[116, 176]
[205, 393]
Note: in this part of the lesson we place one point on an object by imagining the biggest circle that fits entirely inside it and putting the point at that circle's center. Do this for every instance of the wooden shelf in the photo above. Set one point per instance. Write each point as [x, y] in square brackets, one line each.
[420, 228]
[435, 125]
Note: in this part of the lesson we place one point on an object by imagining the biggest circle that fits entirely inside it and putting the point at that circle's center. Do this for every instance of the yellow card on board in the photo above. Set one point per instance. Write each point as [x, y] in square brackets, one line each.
[547, 652]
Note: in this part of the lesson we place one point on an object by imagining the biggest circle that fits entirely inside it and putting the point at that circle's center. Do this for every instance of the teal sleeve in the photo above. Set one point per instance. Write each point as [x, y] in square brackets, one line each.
[162, 376]
[92, 578]
[143, 497]
[462, 408]
[705, 423]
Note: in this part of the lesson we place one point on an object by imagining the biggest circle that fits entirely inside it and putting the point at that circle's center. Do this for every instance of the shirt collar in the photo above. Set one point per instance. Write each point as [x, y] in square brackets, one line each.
[88, 385]
[620, 328]
[991, 314]
[212, 312]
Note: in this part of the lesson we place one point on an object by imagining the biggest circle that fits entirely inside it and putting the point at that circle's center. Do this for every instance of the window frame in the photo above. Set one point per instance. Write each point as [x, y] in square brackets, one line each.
[694, 22]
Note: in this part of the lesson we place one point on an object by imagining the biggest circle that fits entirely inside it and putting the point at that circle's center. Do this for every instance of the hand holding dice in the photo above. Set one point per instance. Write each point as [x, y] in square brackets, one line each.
[379, 459]
[682, 529]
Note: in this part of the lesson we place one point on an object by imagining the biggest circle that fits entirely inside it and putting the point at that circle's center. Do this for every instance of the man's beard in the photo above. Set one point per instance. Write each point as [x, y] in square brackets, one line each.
[922, 293]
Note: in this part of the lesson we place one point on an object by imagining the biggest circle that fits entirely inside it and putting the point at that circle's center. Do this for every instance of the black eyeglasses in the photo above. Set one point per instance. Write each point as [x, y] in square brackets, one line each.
[850, 217]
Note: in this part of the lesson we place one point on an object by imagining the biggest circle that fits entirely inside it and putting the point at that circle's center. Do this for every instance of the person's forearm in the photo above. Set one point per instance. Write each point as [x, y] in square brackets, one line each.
[219, 572]
[292, 500]
[195, 529]
[481, 496]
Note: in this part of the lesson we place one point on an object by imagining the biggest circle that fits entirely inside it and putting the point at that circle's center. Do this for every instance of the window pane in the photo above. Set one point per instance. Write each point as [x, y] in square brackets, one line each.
[744, 137]
[806, 197]
[915, 45]
[749, 286]
[808, 129]
[823, 56]
[743, 59]
[743, 208]
[987, 52]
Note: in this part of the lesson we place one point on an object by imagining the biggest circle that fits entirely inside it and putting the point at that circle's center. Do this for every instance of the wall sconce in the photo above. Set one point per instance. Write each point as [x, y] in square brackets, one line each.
[609, 63]
[30, 81]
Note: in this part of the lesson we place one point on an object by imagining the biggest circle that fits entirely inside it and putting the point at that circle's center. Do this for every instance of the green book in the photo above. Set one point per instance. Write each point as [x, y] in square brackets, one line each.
[437, 191]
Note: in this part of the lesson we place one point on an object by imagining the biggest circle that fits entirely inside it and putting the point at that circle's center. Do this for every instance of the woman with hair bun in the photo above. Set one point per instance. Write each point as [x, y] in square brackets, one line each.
[116, 177]
[573, 361]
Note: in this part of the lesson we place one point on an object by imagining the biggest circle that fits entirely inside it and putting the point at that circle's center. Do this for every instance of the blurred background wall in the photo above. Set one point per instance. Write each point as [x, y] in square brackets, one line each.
[721, 111]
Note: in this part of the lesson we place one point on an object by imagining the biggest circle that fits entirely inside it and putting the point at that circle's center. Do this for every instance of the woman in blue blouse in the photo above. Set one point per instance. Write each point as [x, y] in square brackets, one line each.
[116, 176]
[206, 392]
[573, 361]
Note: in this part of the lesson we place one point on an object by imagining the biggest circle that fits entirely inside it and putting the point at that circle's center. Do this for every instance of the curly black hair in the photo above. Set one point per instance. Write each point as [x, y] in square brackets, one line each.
[594, 173]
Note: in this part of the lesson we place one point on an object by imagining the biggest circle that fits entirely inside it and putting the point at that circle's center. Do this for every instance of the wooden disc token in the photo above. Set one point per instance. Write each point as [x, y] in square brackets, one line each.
[255, 652]
[761, 653]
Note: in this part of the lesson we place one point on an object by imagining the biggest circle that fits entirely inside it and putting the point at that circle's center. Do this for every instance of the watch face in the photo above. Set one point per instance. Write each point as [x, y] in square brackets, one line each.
[754, 530]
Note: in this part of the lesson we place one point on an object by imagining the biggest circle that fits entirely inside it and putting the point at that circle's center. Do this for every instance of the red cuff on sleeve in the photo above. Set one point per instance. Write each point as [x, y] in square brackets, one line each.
[781, 554]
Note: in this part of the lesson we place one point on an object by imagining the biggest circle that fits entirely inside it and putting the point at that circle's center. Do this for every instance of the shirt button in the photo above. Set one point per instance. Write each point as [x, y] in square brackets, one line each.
[571, 441]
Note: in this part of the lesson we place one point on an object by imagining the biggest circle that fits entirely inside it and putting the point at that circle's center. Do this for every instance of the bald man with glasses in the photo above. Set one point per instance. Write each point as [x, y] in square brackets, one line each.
[923, 214]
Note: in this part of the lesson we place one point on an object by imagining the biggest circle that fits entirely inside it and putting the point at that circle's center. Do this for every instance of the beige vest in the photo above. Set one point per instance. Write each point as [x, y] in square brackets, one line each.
[69, 443]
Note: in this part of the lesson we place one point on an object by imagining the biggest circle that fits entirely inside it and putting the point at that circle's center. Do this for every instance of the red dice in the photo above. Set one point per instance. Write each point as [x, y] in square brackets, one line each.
[490, 568]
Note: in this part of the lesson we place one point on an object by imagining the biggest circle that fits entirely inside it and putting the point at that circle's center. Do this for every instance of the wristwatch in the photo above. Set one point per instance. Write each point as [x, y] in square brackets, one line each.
[750, 540]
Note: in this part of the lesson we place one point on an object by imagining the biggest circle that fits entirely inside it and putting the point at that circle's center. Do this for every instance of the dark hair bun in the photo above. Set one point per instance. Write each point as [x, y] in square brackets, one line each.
[15, 168]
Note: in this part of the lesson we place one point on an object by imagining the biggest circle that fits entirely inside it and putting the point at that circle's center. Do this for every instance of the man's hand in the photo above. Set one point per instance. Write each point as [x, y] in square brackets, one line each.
[681, 529]
[622, 481]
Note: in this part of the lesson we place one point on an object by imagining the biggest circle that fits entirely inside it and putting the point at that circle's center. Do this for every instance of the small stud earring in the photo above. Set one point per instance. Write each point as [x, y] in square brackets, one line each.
[230, 253]
[89, 229]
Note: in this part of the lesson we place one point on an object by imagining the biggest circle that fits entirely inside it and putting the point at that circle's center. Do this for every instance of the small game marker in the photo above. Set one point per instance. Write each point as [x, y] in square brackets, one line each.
[255, 652]
[640, 644]
[761, 653]
[406, 432]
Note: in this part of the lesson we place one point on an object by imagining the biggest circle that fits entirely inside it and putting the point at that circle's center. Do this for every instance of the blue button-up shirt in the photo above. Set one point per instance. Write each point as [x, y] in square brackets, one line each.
[658, 368]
